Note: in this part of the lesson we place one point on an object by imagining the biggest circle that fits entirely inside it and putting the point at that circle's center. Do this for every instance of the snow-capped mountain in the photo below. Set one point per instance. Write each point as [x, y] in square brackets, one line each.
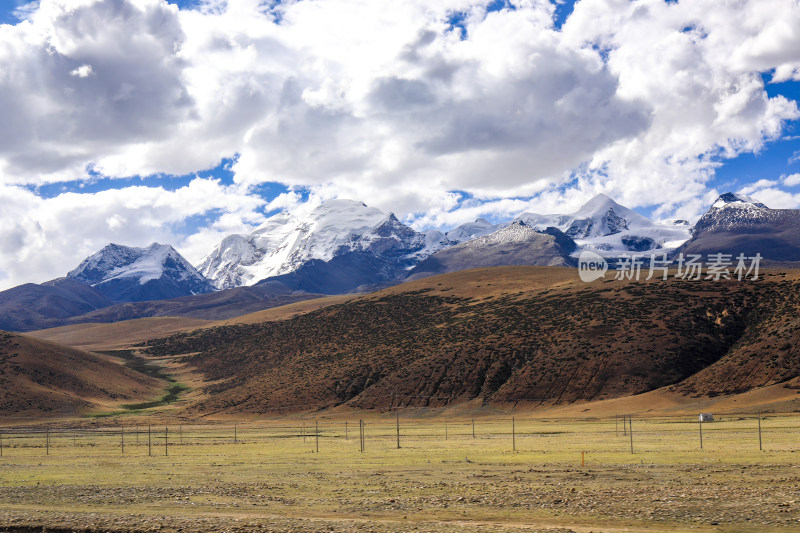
[285, 243]
[471, 230]
[126, 274]
[344, 244]
[608, 228]
[735, 210]
[736, 224]
[514, 244]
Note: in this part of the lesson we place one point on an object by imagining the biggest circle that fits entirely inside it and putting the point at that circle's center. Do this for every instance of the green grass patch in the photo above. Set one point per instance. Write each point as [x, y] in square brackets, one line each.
[173, 393]
[141, 365]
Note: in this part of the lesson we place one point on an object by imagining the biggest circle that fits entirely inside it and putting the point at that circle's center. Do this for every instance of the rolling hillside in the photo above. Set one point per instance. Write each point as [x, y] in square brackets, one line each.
[533, 335]
[40, 378]
[127, 333]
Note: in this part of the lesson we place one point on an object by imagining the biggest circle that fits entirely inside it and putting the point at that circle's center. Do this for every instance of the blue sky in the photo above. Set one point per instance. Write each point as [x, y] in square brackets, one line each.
[145, 124]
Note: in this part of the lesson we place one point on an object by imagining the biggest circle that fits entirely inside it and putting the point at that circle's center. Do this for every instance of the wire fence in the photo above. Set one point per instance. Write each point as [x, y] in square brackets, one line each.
[621, 434]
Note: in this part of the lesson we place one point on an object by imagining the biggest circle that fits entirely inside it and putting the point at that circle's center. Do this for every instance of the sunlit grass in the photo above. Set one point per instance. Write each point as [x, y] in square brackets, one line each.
[273, 465]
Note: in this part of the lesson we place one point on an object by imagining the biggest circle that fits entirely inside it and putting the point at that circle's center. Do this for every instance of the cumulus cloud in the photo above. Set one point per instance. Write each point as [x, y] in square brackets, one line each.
[45, 238]
[82, 71]
[791, 180]
[391, 103]
[58, 118]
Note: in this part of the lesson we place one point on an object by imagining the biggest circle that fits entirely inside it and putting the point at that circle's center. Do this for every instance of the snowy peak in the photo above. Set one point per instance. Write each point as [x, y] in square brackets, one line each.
[730, 199]
[599, 217]
[285, 243]
[736, 224]
[734, 212]
[515, 232]
[471, 230]
[331, 226]
[122, 272]
[608, 228]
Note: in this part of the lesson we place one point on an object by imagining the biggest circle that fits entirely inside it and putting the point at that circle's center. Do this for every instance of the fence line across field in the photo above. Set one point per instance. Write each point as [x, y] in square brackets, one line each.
[522, 434]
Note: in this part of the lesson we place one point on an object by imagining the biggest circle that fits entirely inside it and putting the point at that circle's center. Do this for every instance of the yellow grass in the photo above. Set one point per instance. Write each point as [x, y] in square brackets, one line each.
[440, 477]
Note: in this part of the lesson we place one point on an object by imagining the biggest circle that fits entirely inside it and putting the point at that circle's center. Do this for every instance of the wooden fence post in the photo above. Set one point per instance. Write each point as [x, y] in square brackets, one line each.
[760, 448]
[701, 431]
[513, 436]
[397, 418]
[630, 430]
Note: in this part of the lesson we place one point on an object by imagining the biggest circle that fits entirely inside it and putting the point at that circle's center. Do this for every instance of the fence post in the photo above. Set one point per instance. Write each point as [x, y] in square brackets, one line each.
[47, 442]
[122, 436]
[630, 430]
[759, 431]
[473, 428]
[149, 444]
[235, 431]
[616, 425]
[166, 440]
[445, 429]
[316, 433]
[1, 444]
[361, 434]
[701, 431]
[345, 430]
[398, 428]
[513, 436]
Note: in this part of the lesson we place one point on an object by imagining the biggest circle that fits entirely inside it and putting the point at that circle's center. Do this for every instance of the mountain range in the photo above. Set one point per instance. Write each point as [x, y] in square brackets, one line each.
[345, 246]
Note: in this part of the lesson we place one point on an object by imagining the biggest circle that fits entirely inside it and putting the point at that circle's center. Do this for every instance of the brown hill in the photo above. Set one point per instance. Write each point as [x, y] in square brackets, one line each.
[39, 378]
[127, 333]
[65, 302]
[117, 335]
[213, 306]
[510, 334]
[32, 306]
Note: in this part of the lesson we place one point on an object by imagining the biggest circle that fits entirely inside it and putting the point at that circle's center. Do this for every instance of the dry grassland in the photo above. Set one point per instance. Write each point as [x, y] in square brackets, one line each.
[524, 475]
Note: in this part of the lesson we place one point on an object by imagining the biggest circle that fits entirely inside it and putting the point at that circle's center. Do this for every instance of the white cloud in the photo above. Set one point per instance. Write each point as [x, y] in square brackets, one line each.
[751, 189]
[791, 180]
[383, 101]
[83, 71]
[45, 238]
[776, 198]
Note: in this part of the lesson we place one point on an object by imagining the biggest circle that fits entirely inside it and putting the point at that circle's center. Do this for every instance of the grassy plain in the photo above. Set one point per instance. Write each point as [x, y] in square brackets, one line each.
[520, 475]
